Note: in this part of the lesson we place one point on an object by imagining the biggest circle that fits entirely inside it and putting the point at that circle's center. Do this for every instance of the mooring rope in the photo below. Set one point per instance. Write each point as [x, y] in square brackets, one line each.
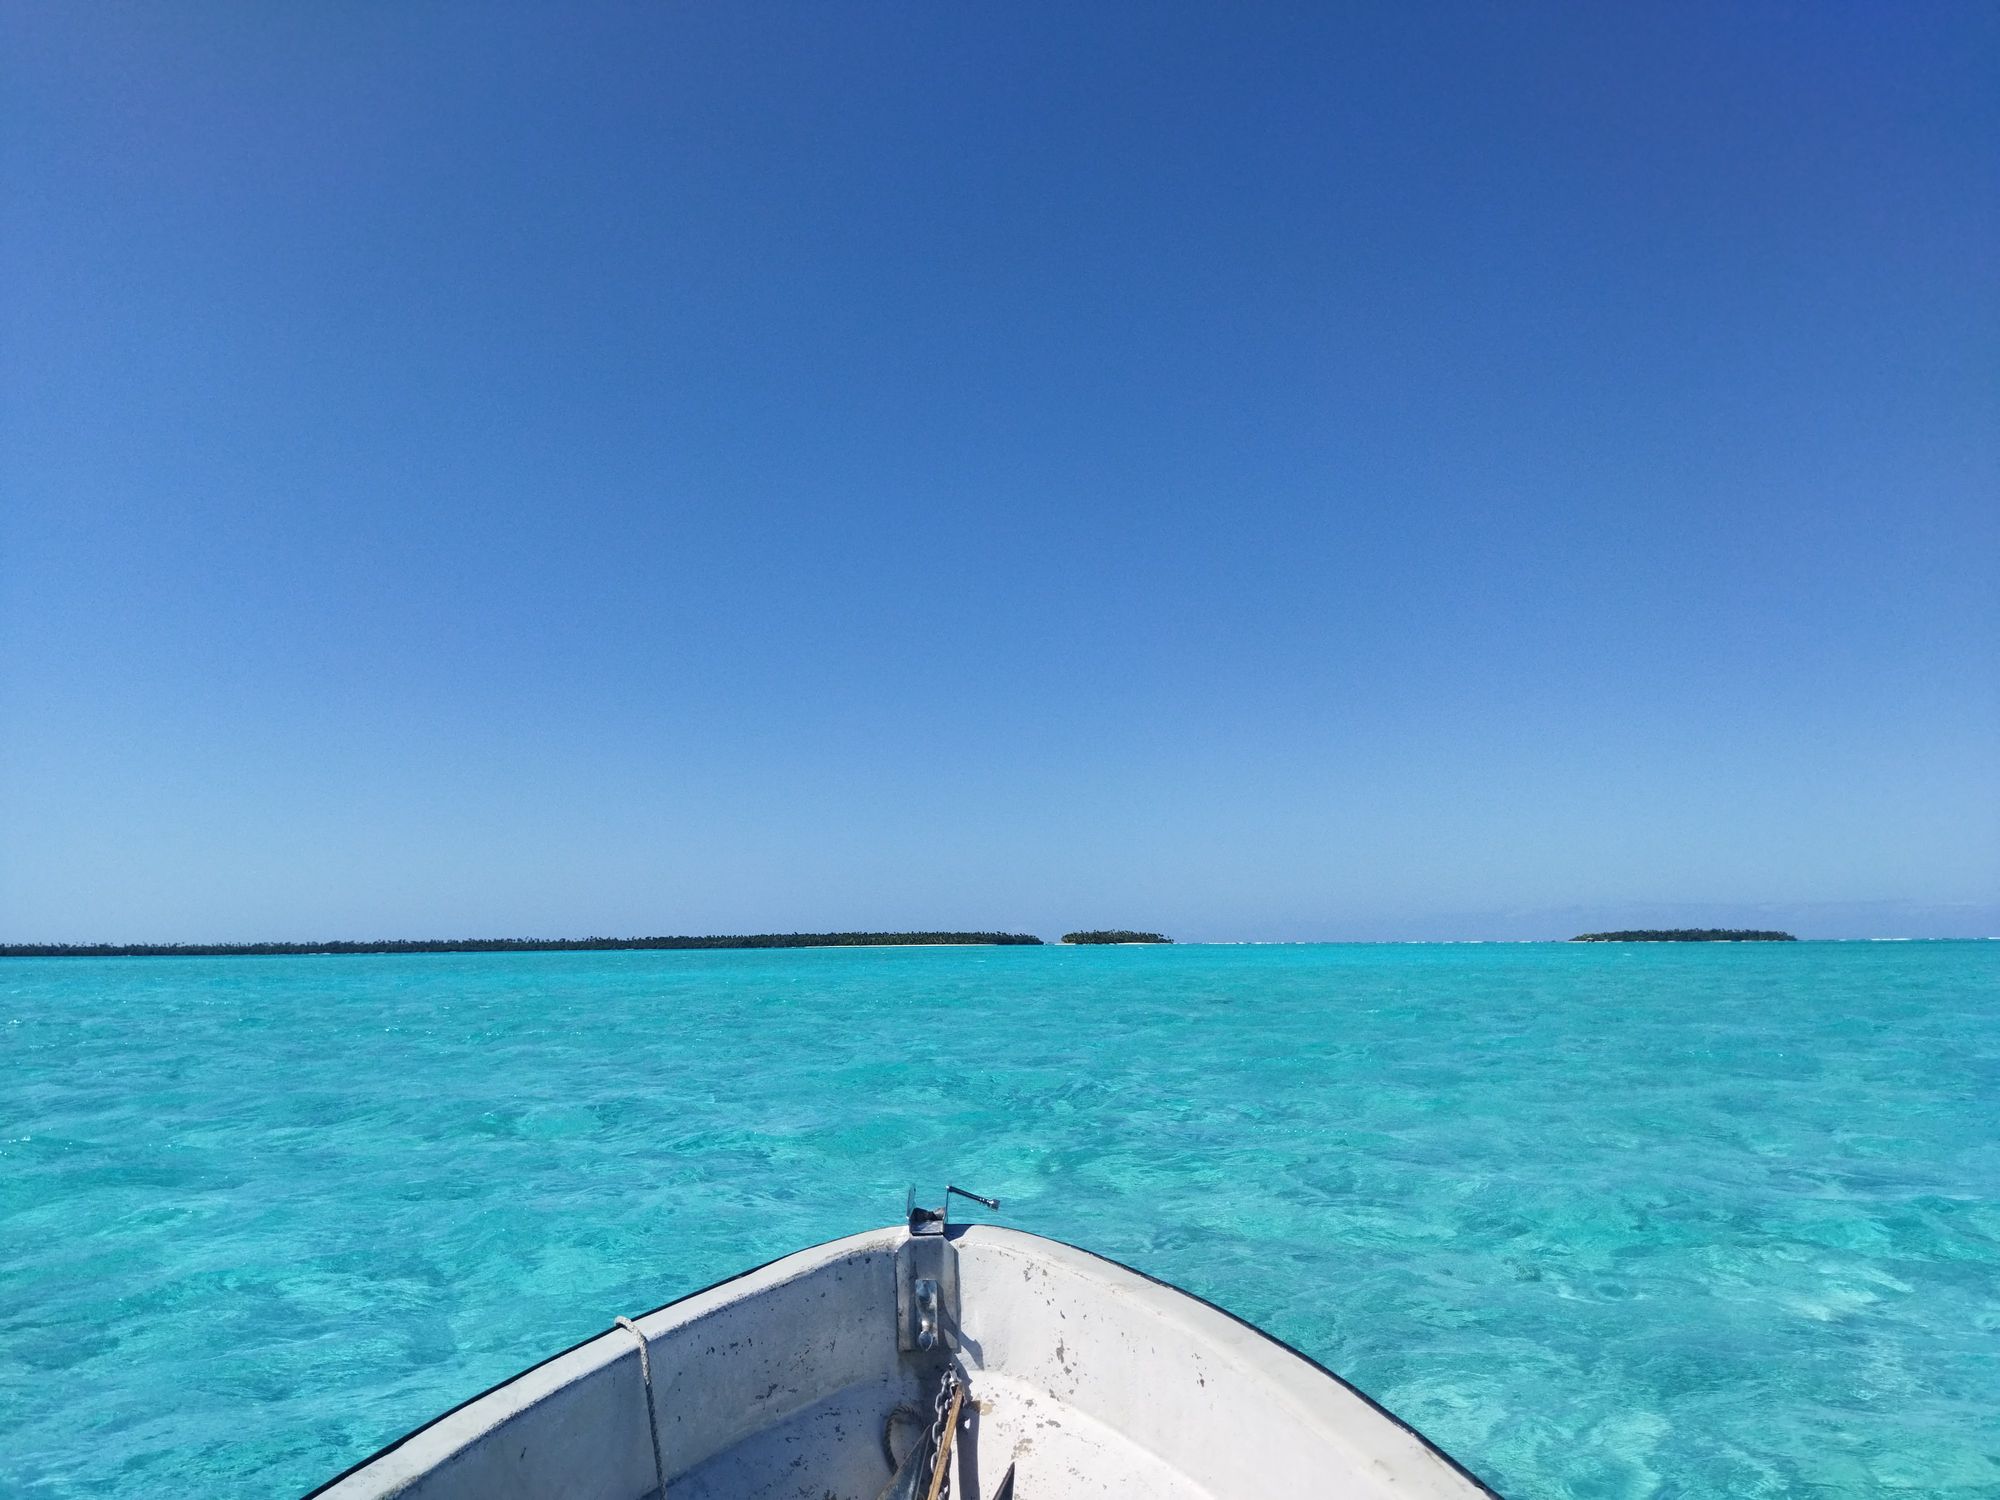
[652, 1415]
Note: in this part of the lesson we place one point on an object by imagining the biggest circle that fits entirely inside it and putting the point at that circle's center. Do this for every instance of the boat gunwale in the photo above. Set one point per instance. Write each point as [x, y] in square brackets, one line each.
[1271, 1338]
[526, 1370]
[956, 1231]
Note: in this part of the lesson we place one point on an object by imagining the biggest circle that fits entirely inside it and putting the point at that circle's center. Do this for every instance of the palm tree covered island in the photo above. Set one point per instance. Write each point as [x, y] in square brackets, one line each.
[1687, 935]
[344, 946]
[522, 945]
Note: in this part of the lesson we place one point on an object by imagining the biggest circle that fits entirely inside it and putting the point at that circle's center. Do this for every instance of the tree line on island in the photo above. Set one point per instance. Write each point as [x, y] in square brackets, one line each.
[1687, 935]
[1094, 936]
[521, 945]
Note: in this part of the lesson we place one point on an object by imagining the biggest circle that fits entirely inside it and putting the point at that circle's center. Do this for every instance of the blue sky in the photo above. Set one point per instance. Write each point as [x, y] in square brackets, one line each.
[1259, 472]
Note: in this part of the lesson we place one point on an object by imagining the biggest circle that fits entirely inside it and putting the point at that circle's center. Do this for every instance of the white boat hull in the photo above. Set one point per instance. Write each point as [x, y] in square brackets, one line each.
[1084, 1376]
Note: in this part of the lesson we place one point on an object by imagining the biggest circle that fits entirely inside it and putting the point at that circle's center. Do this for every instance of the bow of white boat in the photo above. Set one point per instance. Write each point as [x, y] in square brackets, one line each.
[817, 1376]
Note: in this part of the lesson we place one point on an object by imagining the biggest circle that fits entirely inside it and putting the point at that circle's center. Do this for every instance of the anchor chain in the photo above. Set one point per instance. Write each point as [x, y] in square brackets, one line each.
[940, 1485]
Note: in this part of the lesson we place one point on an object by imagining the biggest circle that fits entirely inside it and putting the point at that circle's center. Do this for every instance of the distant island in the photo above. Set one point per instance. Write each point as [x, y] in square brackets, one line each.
[521, 945]
[1687, 935]
[1115, 937]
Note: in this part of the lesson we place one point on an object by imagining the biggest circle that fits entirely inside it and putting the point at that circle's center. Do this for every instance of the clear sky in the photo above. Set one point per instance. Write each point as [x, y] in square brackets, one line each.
[1252, 471]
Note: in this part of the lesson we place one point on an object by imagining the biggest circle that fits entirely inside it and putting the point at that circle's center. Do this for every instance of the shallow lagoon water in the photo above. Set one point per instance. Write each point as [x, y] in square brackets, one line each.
[1603, 1221]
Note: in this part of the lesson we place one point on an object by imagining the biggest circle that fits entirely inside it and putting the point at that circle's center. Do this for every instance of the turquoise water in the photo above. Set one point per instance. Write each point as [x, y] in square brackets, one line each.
[1603, 1221]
